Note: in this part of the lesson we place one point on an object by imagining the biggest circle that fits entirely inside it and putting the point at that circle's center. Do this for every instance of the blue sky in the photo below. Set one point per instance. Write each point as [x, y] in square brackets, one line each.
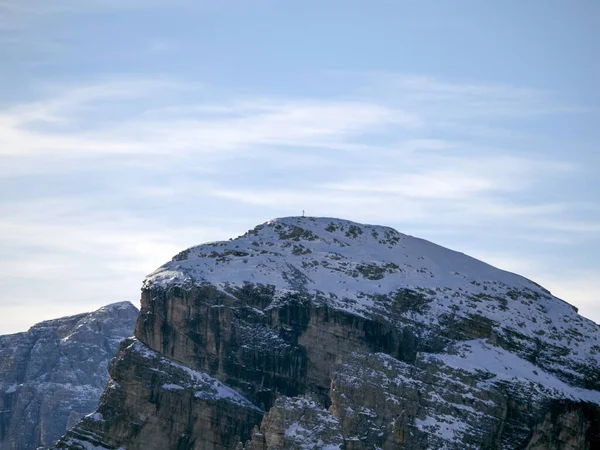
[130, 130]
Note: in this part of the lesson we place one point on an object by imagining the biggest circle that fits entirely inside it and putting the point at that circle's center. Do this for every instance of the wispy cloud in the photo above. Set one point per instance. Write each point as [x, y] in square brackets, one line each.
[81, 260]
[96, 119]
[148, 123]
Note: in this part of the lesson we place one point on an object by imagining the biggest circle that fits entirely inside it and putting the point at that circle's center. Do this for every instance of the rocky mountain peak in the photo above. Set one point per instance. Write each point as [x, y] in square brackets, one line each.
[357, 335]
[54, 373]
[354, 267]
[334, 256]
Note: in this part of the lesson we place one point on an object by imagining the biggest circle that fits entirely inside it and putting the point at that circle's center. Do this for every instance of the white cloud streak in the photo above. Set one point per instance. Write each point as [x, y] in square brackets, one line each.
[261, 122]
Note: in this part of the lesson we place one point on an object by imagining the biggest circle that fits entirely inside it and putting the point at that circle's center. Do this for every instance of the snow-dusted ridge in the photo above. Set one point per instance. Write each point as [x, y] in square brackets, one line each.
[204, 386]
[480, 356]
[335, 334]
[262, 254]
[350, 266]
[54, 373]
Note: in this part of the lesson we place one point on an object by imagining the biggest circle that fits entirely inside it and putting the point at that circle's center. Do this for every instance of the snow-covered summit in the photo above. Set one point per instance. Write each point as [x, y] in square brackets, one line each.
[347, 336]
[357, 268]
[336, 256]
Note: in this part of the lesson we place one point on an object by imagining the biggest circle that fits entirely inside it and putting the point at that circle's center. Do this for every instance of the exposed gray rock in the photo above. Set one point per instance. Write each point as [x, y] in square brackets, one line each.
[348, 336]
[297, 423]
[158, 403]
[54, 374]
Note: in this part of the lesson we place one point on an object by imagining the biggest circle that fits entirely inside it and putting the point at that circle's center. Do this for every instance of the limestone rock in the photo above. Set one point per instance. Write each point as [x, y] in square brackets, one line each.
[54, 374]
[152, 401]
[297, 423]
[331, 334]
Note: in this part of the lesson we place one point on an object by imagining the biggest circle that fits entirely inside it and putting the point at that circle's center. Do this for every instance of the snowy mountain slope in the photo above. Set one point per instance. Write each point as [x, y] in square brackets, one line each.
[53, 374]
[350, 266]
[339, 330]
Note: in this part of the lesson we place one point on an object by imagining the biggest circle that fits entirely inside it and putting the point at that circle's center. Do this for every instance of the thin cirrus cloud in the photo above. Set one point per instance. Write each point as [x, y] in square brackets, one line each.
[57, 260]
[57, 126]
[414, 160]
[466, 100]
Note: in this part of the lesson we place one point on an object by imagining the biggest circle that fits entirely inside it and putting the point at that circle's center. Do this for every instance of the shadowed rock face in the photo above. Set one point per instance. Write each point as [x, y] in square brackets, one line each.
[54, 374]
[325, 334]
[158, 403]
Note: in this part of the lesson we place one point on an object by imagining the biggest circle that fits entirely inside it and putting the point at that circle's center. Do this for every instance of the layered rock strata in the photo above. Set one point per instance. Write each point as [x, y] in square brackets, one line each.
[311, 333]
[54, 374]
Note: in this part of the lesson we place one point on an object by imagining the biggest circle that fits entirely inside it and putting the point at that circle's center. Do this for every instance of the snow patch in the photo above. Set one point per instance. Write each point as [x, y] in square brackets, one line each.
[478, 355]
[96, 417]
[172, 387]
[207, 387]
[443, 426]
[11, 389]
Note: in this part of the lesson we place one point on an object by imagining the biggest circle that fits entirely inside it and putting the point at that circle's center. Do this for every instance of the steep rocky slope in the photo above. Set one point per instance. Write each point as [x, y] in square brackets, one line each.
[54, 374]
[317, 333]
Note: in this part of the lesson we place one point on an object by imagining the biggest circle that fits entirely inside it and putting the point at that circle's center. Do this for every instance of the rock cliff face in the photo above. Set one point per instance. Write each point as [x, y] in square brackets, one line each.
[54, 374]
[316, 333]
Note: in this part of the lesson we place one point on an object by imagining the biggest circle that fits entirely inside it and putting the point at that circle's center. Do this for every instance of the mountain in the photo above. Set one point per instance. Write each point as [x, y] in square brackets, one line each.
[318, 333]
[53, 374]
